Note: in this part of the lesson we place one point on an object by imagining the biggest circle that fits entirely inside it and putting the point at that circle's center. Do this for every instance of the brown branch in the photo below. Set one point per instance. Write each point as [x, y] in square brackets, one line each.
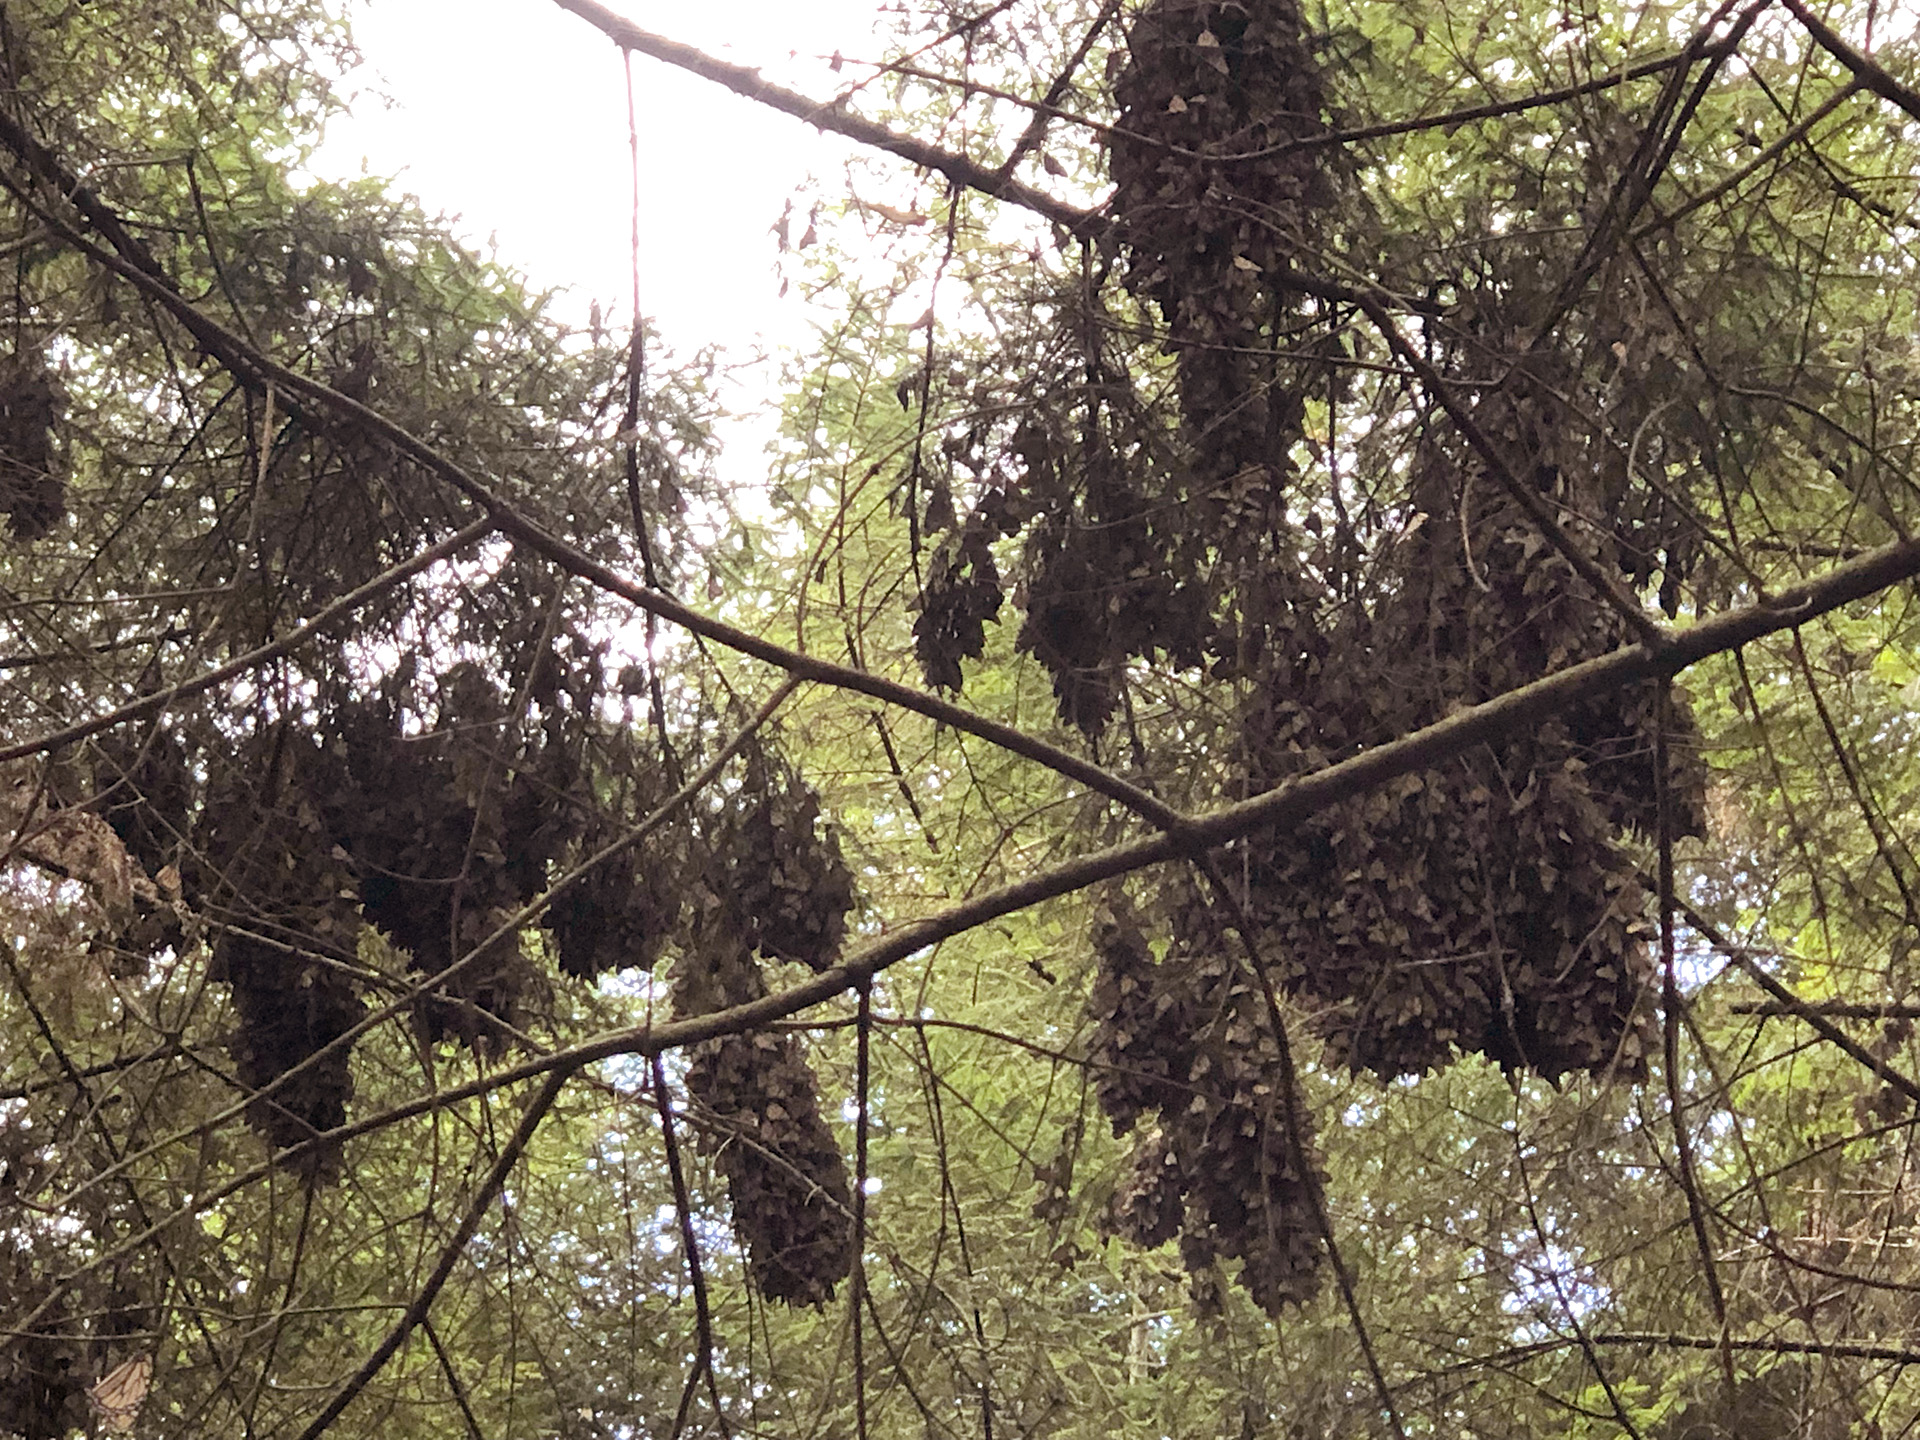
[317, 403]
[1830, 1010]
[1841, 1349]
[1049, 109]
[1492, 110]
[746, 82]
[1671, 1013]
[1036, 130]
[696, 1272]
[158, 701]
[1553, 1273]
[1867, 71]
[106, 647]
[161, 1051]
[856, 1310]
[1759, 162]
[453, 1378]
[1791, 1004]
[1289, 804]
[1838, 1349]
[1292, 1105]
[1603, 585]
[416, 1311]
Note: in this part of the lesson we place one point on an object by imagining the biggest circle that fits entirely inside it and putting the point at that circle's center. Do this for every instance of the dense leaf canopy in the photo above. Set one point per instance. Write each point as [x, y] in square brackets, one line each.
[1286, 816]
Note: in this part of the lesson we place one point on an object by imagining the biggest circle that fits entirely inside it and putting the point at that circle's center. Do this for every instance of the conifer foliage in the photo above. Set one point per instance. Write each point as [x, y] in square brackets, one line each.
[509, 933]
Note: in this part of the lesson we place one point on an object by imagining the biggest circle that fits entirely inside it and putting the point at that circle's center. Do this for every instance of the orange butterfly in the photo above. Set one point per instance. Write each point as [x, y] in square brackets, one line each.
[117, 1398]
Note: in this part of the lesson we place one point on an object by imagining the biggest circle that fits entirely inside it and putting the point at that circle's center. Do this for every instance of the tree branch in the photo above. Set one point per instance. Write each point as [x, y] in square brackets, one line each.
[1829, 1009]
[450, 1254]
[1838, 1349]
[157, 702]
[1604, 586]
[318, 404]
[1867, 71]
[748, 83]
[1789, 1003]
[1289, 804]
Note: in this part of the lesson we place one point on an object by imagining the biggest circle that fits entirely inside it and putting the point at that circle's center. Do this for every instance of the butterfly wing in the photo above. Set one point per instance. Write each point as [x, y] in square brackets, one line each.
[117, 1398]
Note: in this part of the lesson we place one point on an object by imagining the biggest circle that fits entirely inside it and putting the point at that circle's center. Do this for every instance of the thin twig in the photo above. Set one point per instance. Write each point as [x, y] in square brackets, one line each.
[1791, 1004]
[450, 1254]
[1037, 126]
[1644, 626]
[1671, 1012]
[863, 1075]
[1552, 1269]
[161, 700]
[696, 1272]
[468, 1418]
[1829, 1009]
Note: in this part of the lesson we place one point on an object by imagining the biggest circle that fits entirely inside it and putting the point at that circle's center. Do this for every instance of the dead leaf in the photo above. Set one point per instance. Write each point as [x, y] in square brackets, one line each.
[891, 213]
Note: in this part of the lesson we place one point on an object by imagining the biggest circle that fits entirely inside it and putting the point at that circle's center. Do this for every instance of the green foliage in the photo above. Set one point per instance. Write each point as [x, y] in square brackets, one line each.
[446, 1003]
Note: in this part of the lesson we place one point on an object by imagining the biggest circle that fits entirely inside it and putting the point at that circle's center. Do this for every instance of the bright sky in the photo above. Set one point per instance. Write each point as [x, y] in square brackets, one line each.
[511, 115]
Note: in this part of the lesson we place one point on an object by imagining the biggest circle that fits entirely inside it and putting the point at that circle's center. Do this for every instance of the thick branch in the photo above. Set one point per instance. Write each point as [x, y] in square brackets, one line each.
[748, 83]
[1659, 655]
[1867, 71]
[310, 400]
[1290, 804]
[1487, 723]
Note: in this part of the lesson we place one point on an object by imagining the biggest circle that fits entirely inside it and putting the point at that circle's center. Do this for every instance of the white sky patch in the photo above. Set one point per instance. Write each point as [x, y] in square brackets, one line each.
[510, 115]
[509, 118]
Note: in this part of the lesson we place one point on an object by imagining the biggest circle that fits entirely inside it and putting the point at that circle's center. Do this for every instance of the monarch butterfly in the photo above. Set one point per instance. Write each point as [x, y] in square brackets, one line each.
[117, 1397]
